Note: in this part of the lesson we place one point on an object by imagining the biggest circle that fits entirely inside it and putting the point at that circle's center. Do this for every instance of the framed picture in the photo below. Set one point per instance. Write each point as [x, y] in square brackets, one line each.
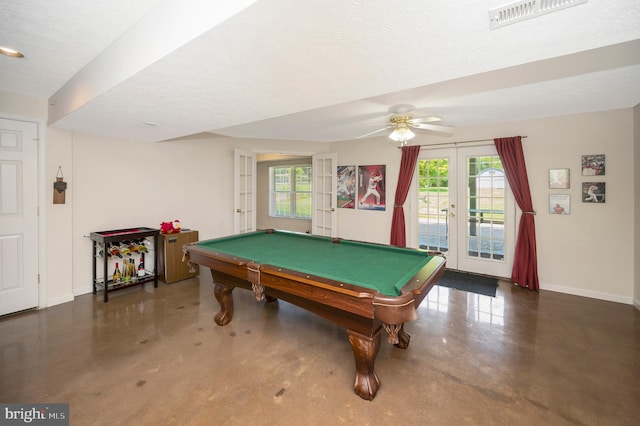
[559, 178]
[593, 165]
[371, 187]
[594, 192]
[559, 204]
[346, 191]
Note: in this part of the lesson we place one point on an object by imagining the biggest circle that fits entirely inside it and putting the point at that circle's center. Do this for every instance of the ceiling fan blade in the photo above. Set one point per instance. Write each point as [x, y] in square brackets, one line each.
[374, 132]
[434, 128]
[431, 119]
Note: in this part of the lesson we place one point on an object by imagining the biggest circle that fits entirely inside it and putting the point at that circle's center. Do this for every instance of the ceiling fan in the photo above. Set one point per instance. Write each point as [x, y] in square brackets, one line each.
[402, 121]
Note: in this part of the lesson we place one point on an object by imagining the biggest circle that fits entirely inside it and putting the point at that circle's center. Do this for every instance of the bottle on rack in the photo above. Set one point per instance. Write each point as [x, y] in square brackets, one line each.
[125, 271]
[132, 270]
[117, 275]
[124, 249]
[133, 247]
[115, 251]
[142, 247]
[141, 267]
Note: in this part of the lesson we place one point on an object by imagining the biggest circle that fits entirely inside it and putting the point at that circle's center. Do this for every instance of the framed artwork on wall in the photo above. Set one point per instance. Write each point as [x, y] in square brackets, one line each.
[559, 204]
[593, 165]
[346, 191]
[371, 187]
[559, 178]
[594, 192]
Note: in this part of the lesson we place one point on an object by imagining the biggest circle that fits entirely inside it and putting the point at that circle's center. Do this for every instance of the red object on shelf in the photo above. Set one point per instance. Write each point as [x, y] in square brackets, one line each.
[170, 227]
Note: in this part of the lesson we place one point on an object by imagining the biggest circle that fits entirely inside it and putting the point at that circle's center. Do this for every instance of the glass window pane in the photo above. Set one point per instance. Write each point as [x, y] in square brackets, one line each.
[290, 191]
[282, 178]
[282, 204]
[303, 205]
[303, 178]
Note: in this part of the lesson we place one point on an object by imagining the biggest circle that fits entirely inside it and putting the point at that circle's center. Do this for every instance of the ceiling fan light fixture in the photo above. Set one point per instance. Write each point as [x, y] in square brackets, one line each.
[402, 134]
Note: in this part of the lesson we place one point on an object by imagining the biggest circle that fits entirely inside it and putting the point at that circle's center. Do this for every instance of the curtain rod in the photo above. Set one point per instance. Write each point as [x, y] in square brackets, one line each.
[459, 142]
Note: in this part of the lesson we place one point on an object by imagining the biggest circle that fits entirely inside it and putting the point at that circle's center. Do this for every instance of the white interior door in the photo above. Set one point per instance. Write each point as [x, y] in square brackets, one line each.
[325, 182]
[18, 215]
[466, 209]
[244, 191]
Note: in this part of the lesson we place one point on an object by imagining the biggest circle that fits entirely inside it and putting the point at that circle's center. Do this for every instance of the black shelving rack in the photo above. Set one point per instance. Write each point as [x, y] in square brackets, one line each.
[104, 238]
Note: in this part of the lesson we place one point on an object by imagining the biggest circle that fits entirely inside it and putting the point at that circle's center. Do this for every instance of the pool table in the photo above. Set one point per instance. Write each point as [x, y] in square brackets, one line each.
[365, 288]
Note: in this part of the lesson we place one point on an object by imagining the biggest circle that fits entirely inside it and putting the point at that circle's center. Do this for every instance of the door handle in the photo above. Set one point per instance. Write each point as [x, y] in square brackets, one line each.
[238, 211]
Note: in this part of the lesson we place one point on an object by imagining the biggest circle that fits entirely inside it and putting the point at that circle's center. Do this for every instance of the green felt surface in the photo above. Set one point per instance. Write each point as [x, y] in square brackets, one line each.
[383, 268]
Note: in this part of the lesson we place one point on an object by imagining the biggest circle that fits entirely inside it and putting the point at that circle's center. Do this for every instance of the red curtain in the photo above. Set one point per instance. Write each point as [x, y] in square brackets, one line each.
[407, 166]
[525, 262]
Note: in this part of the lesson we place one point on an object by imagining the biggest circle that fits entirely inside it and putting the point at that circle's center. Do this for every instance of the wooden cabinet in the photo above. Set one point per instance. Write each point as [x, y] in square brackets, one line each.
[104, 241]
[172, 268]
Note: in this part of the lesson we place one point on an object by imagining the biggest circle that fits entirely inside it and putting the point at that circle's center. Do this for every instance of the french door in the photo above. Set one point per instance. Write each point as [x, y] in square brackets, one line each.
[466, 209]
[244, 182]
[324, 215]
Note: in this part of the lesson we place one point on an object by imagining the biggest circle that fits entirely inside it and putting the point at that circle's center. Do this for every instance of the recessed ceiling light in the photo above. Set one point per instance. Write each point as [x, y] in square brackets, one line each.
[7, 51]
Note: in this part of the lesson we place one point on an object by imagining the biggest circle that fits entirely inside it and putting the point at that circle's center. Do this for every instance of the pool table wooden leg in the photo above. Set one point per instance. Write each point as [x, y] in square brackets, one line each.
[397, 336]
[403, 338]
[365, 350]
[225, 298]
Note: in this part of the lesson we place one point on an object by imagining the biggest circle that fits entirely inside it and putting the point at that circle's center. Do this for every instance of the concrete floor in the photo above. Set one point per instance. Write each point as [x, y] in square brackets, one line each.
[155, 356]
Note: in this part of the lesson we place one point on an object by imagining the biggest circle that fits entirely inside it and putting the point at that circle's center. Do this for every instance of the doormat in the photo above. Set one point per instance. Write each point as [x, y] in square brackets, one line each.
[472, 283]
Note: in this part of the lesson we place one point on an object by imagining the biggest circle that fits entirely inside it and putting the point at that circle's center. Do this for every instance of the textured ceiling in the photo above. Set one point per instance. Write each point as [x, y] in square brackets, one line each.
[314, 70]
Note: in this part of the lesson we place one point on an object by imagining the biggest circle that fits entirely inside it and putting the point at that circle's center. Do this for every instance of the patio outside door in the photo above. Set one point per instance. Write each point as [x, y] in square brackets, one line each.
[466, 209]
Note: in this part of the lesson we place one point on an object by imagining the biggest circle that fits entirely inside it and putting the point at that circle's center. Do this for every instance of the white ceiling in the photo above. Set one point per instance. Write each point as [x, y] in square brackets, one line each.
[314, 70]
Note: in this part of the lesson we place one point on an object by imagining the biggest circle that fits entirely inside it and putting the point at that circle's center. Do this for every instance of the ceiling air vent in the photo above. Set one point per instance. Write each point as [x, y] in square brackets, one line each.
[526, 9]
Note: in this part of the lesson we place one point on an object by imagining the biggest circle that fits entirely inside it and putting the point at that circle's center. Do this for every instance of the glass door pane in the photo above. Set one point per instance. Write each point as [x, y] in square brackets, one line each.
[486, 207]
[433, 204]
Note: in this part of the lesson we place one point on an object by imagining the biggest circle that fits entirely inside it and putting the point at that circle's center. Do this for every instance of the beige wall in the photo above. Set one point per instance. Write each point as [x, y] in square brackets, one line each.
[125, 184]
[120, 184]
[369, 225]
[589, 252]
[22, 107]
[59, 218]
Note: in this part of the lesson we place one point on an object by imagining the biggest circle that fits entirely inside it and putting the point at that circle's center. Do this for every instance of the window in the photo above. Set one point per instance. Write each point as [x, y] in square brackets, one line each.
[290, 191]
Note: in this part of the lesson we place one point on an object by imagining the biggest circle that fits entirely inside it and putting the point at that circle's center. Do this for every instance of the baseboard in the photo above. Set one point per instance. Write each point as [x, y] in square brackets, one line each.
[588, 293]
[60, 300]
[636, 303]
[82, 290]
